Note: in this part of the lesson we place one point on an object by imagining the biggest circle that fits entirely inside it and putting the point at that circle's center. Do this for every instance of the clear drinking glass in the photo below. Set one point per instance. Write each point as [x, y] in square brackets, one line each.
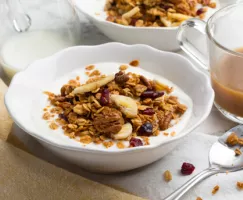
[224, 34]
[34, 29]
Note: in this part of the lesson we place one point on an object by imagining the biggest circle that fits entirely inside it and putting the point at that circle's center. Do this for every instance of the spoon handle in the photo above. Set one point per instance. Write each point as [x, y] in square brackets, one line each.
[176, 195]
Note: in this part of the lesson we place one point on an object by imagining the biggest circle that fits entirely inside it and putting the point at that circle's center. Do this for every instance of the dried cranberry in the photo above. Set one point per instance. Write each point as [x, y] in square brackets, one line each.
[148, 111]
[135, 142]
[62, 116]
[200, 11]
[105, 97]
[152, 94]
[146, 129]
[133, 22]
[187, 168]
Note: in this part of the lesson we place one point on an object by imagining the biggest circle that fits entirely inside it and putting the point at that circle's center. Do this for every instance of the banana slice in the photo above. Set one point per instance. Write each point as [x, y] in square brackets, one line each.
[124, 132]
[94, 85]
[127, 105]
[162, 87]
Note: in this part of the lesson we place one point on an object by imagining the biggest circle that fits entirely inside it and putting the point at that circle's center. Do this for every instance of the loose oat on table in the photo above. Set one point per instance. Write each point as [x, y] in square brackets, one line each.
[126, 108]
[215, 189]
[232, 139]
[167, 176]
[237, 152]
[134, 63]
[239, 185]
[90, 67]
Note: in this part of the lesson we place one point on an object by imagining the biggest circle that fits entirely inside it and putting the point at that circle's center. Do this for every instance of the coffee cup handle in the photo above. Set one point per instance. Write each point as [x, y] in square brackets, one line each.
[188, 47]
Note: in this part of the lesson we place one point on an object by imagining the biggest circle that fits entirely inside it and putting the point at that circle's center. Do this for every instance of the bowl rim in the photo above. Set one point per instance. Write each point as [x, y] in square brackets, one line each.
[106, 151]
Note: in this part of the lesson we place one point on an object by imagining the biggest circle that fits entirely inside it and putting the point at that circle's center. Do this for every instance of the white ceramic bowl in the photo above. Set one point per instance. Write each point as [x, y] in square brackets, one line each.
[163, 38]
[23, 101]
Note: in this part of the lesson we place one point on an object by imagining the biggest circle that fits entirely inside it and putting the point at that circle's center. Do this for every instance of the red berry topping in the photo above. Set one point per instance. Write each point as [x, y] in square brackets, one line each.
[146, 129]
[148, 111]
[105, 97]
[135, 142]
[187, 168]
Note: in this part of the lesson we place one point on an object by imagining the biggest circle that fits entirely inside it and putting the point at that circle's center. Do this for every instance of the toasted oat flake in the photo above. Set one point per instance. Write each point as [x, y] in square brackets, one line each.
[45, 109]
[240, 141]
[95, 73]
[123, 67]
[215, 189]
[134, 63]
[199, 198]
[46, 116]
[87, 73]
[90, 67]
[53, 126]
[166, 134]
[86, 139]
[173, 134]
[167, 176]
[239, 185]
[108, 144]
[145, 140]
[77, 78]
[237, 152]
[120, 145]
[232, 139]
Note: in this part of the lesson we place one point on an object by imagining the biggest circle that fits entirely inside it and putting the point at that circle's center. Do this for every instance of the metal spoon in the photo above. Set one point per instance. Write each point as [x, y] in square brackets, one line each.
[222, 159]
[21, 21]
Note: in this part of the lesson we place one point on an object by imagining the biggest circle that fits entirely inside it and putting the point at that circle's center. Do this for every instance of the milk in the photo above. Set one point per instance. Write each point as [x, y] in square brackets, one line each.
[22, 49]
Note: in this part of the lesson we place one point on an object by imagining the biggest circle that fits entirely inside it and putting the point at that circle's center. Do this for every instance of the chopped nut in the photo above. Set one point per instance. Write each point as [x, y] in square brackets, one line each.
[95, 73]
[215, 189]
[167, 176]
[240, 185]
[46, 116]
[232, 139]
[120, 145]
[108, 144]
[237, 152]
[86, 139]
[123, 67]
[134, 63]
[53, 126]
[173, 133]
[90, 67]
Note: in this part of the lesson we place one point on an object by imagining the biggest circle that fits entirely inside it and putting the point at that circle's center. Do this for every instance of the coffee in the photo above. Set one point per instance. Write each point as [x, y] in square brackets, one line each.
[227, 82]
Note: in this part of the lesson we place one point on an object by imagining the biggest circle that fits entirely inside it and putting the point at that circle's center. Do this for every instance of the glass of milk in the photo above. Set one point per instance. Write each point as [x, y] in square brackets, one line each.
[54, 26]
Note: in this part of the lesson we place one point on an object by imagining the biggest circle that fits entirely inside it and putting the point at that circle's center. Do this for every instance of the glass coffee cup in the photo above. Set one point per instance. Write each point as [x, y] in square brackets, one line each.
[224, 34]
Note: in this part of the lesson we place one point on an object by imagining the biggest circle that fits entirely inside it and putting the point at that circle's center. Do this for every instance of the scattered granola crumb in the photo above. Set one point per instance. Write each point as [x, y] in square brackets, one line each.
[120, 145]
[53, 126]
[95, 73]
[134, 63]
[199, 198]
[215, 189]
[173, 134]
[240, 141]
[232, 139]
[237, 152]
[87, 73]
[78, 78]
[108, 144]
[212, 5]
[86, 139]
[123, 67]
[46, 116]
[145, 140]
[227, 172]
[90, 67]
[167, 176]
[45, 109]
[239, 185]
[166, 134]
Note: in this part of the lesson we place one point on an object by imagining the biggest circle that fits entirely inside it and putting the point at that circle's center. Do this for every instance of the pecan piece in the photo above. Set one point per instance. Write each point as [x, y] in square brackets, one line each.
[164, 123]
[121, 77]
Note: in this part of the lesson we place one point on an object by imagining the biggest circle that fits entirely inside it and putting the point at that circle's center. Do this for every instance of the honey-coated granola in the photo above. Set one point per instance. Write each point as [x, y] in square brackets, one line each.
[120, 107]
[155, 13]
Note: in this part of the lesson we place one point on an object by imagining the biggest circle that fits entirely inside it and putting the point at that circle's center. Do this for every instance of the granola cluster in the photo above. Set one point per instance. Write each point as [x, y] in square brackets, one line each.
[155, 13]
[234, 140]
[121, 107]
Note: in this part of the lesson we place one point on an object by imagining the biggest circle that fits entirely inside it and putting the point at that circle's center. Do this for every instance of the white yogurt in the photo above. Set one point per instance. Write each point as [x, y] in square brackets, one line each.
[22, 49]
[41, 102]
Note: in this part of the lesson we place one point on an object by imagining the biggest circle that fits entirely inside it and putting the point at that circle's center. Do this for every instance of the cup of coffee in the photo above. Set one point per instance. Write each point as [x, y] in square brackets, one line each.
[224, 62]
